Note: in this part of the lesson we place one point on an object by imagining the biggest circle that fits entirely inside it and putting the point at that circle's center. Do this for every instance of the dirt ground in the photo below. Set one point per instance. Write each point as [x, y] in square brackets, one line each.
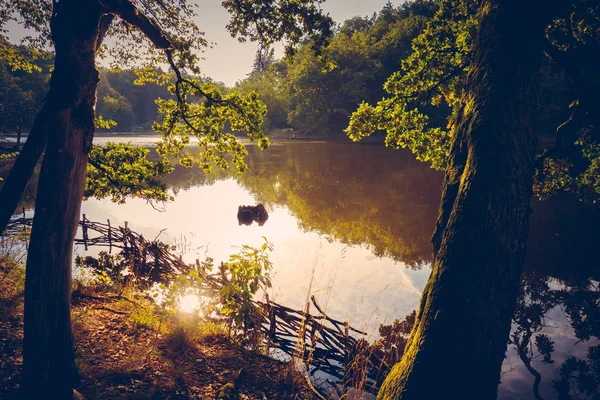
[117, 360]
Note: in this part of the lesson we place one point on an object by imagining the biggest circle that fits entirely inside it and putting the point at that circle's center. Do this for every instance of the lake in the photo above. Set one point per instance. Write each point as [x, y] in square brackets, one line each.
[351, 225]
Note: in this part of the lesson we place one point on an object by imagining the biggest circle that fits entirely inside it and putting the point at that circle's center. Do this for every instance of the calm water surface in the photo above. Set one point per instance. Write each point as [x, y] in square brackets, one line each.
[351, 225]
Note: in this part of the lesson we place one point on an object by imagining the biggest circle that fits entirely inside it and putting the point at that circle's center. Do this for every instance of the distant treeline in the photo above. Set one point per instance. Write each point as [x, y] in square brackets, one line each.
[312, 94]
[317, 94]
[119, 99]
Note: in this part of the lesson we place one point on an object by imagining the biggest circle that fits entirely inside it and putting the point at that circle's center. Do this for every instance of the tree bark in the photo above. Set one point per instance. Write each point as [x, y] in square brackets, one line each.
[459, 340]
[48, 347]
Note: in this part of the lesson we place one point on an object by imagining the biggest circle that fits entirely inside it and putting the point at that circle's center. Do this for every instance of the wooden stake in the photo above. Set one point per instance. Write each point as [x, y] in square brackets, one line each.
[109, 238]
[85, 233]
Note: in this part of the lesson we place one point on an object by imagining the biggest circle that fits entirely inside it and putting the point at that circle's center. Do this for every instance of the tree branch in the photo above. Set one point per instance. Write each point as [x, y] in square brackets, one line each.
[116, 183]
[522, 346]
[436, 85]
[105, 23]
[130, 14]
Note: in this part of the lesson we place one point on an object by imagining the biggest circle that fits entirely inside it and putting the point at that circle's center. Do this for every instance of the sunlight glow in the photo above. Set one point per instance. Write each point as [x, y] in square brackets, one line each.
[189, 303]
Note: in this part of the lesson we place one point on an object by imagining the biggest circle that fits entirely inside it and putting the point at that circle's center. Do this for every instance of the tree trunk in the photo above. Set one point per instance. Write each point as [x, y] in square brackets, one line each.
[28, 157]
[459, 340]
[48, 347]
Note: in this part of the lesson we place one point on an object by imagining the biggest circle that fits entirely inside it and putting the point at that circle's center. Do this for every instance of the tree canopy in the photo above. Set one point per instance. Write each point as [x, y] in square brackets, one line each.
[433, 75]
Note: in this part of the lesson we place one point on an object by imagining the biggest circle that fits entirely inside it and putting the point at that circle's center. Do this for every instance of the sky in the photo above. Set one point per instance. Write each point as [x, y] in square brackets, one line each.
[229, 61]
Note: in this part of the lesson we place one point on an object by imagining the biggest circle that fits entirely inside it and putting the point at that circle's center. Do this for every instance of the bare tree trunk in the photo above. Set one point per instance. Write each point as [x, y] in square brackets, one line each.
[459, 340]
[48, 347]
[22, 169]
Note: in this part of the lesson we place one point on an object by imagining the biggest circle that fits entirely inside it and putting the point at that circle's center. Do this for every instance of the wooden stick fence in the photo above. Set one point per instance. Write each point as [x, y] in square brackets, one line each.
[326, 345]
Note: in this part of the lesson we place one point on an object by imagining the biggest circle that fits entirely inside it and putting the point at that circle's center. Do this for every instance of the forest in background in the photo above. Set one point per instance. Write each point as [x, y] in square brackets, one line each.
[315, 95]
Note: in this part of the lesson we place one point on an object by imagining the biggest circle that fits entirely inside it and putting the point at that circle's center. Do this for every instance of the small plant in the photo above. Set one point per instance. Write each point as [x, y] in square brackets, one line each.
[242, 277]
[211, 331]
[246, 273]
[144, 318]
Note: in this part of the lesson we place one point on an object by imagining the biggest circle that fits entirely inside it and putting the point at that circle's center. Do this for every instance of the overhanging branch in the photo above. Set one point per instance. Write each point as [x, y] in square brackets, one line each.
[132, 15]
[421, 93]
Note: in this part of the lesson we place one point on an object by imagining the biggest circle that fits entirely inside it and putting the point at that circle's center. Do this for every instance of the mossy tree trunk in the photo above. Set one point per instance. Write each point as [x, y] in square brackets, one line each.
[68, 117]
[459, 340]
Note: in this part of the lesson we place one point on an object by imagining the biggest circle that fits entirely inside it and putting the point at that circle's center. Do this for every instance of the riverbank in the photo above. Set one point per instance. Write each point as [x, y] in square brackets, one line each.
[279, 135]
[122, 352]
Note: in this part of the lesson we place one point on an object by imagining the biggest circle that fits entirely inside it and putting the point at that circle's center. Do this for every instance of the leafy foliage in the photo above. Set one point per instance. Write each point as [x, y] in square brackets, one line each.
[206, 120]
[268, 21]
[562, 174]
[579, 379]
[35, 16]
[120, 170]
[247, 273]
[432, 75]
[102, 123]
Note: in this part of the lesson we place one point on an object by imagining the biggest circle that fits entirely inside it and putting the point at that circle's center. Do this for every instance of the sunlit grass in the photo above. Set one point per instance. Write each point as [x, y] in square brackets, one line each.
[144, 318]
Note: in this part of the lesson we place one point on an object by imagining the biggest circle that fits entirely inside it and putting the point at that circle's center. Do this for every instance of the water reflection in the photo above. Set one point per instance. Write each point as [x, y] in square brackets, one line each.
[347, 220]
[555, 337]
[356, 195]
[553, 347]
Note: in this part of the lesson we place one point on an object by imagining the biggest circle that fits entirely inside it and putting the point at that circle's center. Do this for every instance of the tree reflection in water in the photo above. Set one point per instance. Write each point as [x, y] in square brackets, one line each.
[363, 195]
[580, 303]
[561, 279]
